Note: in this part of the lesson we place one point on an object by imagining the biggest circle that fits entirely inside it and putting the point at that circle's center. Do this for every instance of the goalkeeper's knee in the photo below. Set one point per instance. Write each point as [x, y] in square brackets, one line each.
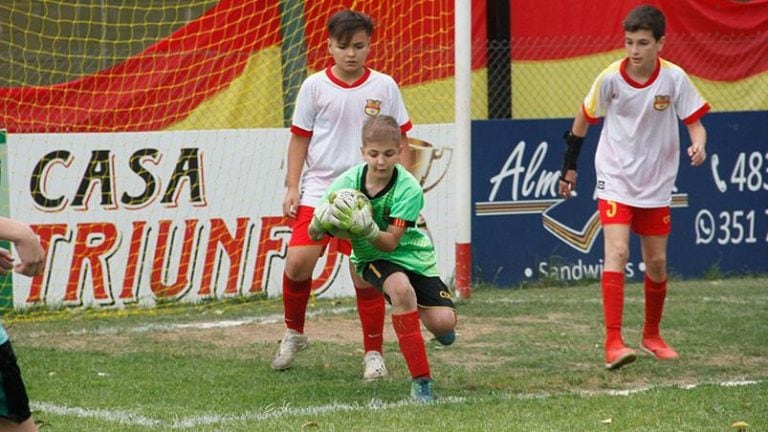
[446, 339]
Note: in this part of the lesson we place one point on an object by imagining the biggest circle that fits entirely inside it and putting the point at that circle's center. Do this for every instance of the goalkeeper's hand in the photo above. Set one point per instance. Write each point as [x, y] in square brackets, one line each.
[361, 224]
[343, 208]
[320, 218]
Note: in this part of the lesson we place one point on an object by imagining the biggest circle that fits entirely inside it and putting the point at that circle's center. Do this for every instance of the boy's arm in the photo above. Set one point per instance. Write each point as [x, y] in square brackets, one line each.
[27, 243]
[573, 139]
[14, 231]
[387, 241]
[698, 135]
[297, 155]
[580, 124]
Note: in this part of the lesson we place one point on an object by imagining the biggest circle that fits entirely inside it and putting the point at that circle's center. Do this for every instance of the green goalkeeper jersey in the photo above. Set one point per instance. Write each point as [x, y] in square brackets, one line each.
[399, 203]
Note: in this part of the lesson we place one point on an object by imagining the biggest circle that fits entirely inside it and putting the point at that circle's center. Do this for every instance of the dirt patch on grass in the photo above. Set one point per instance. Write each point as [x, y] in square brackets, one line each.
[82, 342]
[753, 363]
[334, 329]
[561, 322]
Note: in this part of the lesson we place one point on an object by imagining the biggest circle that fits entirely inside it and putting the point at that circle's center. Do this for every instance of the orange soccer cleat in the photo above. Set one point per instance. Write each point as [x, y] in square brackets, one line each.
[655, 346]
[618, 355]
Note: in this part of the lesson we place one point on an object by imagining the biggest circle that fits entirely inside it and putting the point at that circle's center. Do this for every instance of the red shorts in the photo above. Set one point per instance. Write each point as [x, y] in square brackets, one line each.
[643, 221]
[300, 234]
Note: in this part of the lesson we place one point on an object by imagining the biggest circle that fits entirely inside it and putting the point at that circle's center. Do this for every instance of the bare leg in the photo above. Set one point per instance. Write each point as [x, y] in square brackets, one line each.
[27, 425]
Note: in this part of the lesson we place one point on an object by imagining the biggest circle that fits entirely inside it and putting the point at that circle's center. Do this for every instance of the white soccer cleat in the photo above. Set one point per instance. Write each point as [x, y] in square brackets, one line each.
[292, 343]
[374, 367]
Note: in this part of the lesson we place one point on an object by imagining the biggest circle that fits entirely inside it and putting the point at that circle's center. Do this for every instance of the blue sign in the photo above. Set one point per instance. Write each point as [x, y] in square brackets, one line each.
[522, 231]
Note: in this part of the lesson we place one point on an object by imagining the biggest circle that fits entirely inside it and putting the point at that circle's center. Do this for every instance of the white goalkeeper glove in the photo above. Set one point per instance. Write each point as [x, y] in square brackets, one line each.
[358, 222]
[320, 221]
[361, 224]
[344, 204]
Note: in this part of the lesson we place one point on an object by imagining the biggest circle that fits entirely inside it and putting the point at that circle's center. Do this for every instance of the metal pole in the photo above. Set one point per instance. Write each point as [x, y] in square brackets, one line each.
[463, 64]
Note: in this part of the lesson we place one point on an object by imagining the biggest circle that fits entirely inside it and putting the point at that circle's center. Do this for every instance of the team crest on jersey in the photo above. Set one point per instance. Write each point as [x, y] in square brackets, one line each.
[372, 107]
[661, 102]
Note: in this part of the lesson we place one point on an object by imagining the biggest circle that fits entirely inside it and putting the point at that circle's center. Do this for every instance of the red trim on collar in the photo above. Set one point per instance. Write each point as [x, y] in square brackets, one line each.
[635, 84]
[340, 83]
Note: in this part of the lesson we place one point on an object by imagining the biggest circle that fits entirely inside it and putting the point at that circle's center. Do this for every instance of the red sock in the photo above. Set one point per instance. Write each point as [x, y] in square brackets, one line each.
[655, 293]
[370, 308]
[295, 299]
[613, 305]
[408, 330]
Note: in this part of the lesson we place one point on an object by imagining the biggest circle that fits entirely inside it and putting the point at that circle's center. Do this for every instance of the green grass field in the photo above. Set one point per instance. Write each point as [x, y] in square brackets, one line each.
[524, 360]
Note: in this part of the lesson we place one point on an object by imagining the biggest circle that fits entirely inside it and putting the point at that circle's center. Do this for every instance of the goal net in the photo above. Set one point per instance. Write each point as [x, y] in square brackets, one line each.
[145, 140]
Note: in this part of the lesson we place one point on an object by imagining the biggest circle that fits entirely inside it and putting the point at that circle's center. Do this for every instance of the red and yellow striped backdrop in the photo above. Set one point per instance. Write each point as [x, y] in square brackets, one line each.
[222, 70]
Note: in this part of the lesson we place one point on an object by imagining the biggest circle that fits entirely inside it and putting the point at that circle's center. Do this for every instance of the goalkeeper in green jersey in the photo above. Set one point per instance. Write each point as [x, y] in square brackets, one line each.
[391, 253]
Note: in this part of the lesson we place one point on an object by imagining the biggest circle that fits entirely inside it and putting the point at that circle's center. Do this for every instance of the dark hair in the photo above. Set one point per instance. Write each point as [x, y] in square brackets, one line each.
[646, 17]
[344, 24]
[381, 128]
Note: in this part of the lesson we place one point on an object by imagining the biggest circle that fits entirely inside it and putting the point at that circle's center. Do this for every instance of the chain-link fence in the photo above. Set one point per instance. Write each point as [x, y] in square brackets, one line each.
[49, 43]
[725, 68]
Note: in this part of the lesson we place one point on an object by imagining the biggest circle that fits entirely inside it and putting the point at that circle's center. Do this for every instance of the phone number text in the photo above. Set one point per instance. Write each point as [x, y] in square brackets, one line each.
[729, 227]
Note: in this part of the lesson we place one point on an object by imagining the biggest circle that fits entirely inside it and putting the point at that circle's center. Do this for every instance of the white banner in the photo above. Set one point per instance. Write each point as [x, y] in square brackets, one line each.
[133, 218]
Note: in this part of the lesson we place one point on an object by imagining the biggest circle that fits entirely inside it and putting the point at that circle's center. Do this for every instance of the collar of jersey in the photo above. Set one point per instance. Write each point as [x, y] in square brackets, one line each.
[340, 83]
[634, 83]
[384, 191]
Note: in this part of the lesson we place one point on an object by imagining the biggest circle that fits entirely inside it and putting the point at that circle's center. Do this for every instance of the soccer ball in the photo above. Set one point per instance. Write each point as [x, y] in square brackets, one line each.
[351, 202]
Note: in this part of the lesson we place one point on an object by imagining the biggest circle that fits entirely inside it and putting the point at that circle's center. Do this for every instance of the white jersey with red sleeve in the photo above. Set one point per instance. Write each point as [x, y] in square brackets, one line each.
[332, 114]
[638, 153]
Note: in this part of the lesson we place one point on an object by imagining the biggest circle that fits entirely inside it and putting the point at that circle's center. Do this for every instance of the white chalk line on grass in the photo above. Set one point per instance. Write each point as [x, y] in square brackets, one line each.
[272, 412]
[112, 416]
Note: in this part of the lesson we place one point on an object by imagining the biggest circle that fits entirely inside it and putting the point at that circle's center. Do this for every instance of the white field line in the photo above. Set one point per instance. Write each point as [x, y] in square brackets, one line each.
[272, 412]
[112, 416]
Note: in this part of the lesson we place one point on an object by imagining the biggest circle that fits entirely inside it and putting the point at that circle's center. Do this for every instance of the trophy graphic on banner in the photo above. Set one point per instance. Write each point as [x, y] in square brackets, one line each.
[430, 167]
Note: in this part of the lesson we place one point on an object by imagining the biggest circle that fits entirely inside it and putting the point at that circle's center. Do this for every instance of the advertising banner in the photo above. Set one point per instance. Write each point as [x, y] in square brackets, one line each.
[135, 218]
[523, 232]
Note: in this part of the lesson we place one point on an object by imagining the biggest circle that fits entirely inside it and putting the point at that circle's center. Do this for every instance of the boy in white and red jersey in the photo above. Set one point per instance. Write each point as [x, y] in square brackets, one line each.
[331, 107]
[642, 97]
